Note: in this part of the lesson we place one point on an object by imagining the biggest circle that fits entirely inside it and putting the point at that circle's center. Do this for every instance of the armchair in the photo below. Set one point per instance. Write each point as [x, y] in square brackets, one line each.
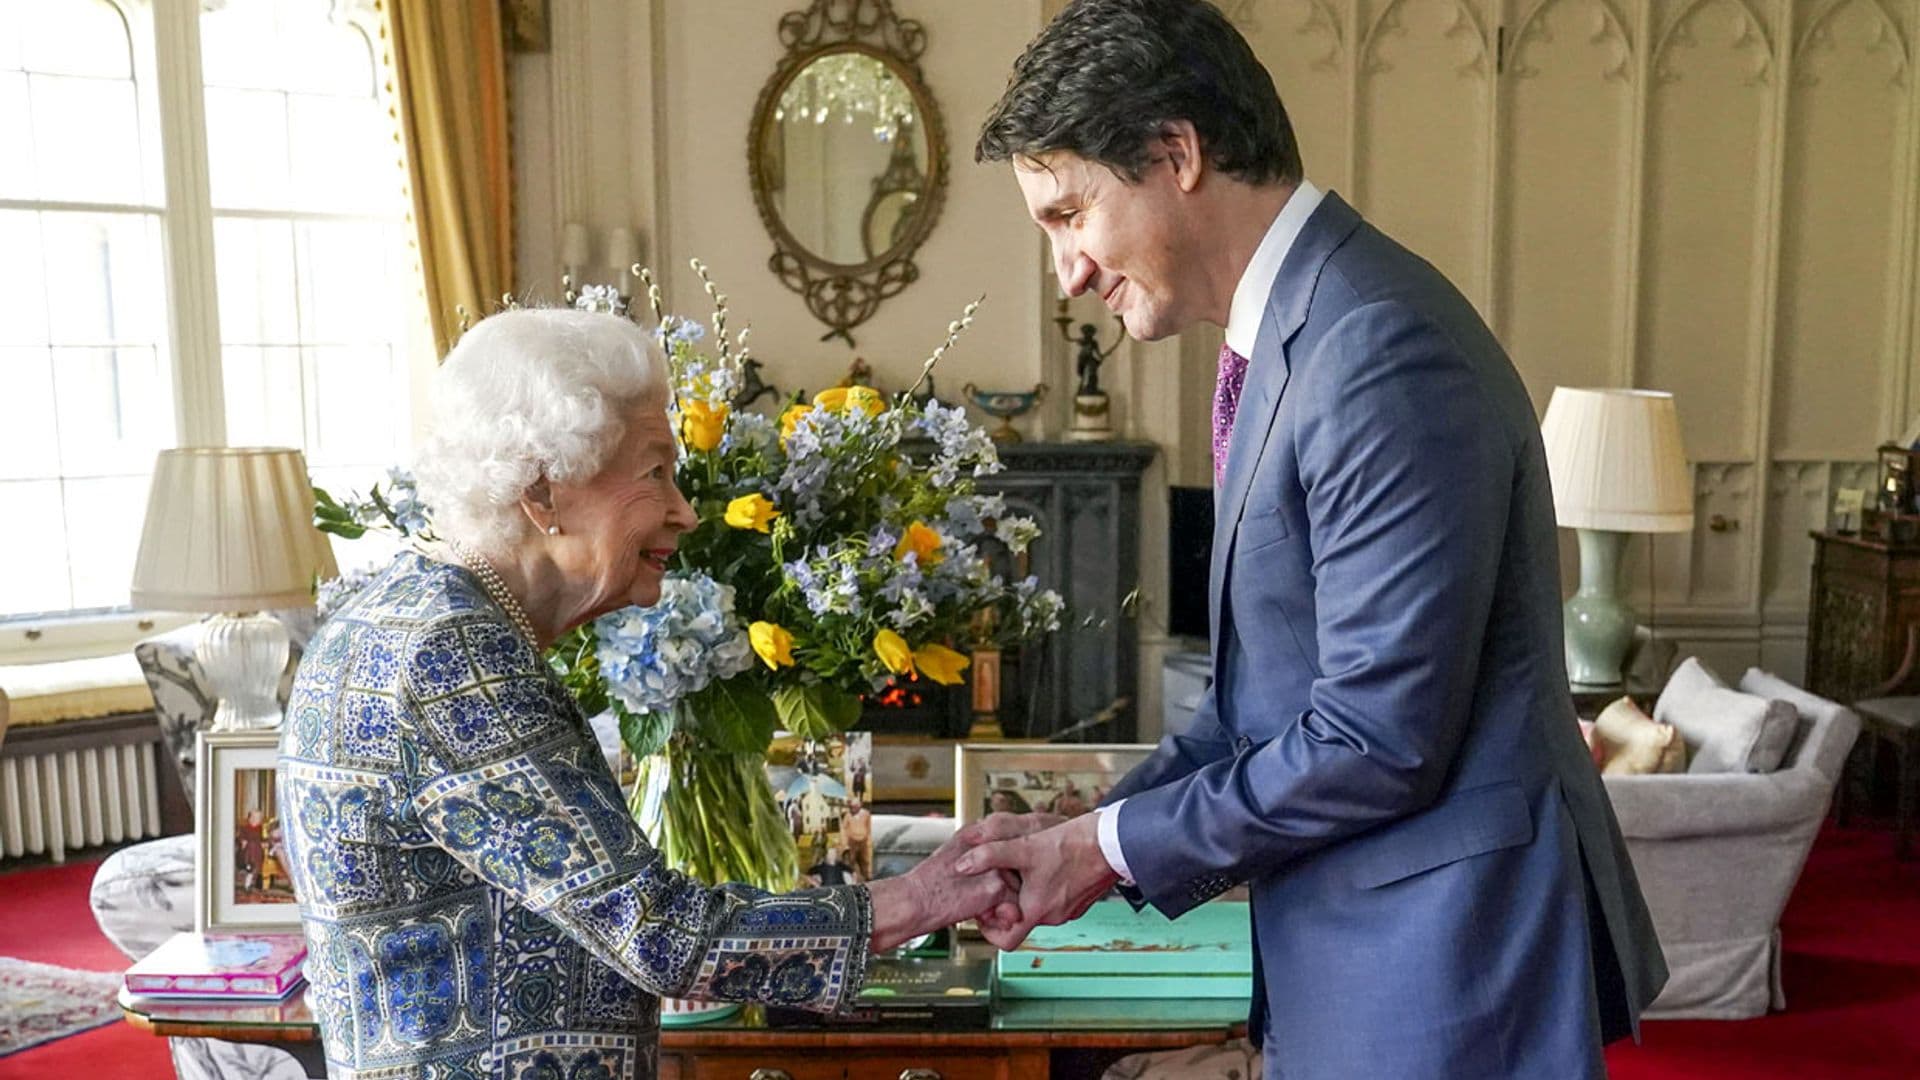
[1717, 855]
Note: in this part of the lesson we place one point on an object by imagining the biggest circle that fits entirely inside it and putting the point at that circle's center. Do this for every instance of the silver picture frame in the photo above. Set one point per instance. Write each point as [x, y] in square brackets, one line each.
[236, 768]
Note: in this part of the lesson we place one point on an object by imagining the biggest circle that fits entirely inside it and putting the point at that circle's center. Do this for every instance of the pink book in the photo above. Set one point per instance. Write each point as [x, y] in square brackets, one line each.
[265, 966]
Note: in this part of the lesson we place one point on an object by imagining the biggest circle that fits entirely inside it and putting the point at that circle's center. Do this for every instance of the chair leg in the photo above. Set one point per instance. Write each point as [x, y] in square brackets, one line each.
[1903, 802]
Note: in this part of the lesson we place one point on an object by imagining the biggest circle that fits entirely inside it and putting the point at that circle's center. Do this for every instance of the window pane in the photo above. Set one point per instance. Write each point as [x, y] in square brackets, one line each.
[104, 517]
[345, 292]
[266, 397]
[16, 135]
[115, 409]
[309, 46]
[29, 439]
[247, 148]
[23, 301]
[254, 262]
[13, 19]
[86, 135]
[104, 279]
[33, 576]
[75, 37]
[343, 158]
[361, 404]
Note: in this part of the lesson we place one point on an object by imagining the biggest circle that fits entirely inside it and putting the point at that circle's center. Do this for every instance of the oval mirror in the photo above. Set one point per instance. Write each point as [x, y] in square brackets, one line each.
[847, 161]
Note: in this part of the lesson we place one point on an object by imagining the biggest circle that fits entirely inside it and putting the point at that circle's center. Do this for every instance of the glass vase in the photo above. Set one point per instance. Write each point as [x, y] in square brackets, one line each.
[712, 814]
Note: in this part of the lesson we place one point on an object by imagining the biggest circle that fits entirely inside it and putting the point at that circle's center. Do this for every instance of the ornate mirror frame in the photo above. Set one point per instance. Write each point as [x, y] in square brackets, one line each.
[845, 295]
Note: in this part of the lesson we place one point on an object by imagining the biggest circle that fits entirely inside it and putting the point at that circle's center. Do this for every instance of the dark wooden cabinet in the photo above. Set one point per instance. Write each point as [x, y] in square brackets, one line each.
[1086, 499]
[1865, 596]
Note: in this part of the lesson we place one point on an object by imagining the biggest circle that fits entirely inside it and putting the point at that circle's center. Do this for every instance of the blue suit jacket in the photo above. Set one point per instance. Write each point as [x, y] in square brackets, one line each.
[1388, 754]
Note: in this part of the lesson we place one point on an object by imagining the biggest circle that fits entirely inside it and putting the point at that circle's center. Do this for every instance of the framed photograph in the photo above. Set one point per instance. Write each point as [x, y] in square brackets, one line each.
[824, 788]
[241, 864]
[1068, 779]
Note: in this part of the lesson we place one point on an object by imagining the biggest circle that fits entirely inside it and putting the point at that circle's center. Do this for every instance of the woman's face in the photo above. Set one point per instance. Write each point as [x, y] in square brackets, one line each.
[619, 529]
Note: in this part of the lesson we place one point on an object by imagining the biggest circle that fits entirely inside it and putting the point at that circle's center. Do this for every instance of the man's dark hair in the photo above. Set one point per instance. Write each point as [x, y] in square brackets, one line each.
[1104, 76]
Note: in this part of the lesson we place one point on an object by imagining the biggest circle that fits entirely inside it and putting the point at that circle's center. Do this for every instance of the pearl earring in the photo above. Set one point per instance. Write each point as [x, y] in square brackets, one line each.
[553, 530]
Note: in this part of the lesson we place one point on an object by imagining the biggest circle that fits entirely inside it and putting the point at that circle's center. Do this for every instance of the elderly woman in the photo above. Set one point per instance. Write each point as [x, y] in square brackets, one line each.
[476, 900]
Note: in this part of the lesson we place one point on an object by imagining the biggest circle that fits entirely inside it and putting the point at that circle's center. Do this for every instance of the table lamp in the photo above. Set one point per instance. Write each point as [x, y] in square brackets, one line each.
[230, 531]
[1618, 467]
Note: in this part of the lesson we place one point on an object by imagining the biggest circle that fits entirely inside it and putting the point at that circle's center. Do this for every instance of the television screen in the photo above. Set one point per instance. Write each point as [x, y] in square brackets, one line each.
[1189, 557]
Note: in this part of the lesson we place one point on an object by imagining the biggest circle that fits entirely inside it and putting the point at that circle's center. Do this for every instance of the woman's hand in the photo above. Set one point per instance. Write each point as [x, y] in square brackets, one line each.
[934, 895]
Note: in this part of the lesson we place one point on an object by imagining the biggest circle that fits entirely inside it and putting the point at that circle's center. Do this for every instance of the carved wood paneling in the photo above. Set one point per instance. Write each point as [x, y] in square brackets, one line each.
[1424, 92]
[1701, 273]
[1566, 150]
[1847, 129]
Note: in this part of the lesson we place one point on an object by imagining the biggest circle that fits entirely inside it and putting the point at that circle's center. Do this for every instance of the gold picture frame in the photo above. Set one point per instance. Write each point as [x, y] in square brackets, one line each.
[1068, 779]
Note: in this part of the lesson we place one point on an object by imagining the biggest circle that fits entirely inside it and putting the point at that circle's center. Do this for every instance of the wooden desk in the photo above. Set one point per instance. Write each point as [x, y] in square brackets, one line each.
[1042, 1040]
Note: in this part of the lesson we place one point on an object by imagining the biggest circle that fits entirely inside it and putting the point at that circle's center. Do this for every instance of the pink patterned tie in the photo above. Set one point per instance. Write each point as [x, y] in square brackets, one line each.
[1226, 402]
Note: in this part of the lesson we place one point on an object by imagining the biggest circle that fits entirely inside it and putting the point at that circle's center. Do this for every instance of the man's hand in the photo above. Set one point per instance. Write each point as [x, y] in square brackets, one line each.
[1061, 872]
[935, 894]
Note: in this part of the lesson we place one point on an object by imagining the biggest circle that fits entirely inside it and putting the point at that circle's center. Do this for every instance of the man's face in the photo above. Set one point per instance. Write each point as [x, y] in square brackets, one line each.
[1122, 242]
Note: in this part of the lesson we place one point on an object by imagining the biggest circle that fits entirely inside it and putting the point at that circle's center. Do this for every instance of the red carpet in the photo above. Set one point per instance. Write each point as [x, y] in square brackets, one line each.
[1852, 975]
[44, 916]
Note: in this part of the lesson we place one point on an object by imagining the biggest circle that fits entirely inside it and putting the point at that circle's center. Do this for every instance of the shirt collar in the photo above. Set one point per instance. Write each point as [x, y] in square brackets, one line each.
[1256, 284]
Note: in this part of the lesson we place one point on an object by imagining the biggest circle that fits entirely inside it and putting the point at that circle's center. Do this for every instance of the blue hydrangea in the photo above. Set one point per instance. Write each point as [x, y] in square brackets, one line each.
[652, 657]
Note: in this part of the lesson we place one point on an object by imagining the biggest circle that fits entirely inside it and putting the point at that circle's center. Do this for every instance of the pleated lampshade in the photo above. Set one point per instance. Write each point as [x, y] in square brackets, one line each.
[1616, 461]
[229, 529]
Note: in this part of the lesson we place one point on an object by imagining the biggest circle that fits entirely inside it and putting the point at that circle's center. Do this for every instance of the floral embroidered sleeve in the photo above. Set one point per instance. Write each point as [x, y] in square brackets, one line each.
[514, 788]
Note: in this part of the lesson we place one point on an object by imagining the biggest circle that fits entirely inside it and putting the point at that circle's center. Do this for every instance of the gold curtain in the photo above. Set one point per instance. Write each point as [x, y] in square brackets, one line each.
[450, 71]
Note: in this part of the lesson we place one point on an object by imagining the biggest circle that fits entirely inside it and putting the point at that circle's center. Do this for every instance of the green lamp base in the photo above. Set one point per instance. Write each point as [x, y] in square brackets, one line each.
[1599, 624]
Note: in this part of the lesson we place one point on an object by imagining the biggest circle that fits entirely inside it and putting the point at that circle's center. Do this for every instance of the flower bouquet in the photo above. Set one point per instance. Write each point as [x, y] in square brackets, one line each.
[837, 550]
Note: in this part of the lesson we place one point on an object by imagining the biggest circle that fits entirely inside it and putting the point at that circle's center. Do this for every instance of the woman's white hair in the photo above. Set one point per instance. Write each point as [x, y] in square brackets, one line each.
[529, 393]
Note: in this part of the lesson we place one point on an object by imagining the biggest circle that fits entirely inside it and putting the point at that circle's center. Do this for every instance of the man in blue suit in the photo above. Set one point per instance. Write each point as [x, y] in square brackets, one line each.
[1387, 754]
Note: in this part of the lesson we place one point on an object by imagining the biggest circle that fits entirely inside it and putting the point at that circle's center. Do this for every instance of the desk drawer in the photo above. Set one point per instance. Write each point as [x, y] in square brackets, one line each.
[836, 1064]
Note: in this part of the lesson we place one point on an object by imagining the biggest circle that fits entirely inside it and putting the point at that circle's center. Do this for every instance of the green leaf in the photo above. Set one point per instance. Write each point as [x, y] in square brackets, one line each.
[732, 716]
[645, 734]
[815, 711]
[345, 531]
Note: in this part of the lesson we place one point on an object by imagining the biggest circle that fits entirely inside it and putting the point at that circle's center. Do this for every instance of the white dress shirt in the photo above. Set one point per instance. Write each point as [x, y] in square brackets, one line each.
[1243, 327]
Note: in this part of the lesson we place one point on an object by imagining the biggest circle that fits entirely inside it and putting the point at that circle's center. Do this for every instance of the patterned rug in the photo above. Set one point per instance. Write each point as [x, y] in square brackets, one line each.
[41, 1002]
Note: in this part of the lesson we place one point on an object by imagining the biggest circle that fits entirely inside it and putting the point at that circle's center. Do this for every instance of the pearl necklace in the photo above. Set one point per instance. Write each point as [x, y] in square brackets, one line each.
[496, 588]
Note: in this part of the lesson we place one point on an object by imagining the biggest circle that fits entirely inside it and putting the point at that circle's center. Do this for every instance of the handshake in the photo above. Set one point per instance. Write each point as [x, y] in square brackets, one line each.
[1008, 872]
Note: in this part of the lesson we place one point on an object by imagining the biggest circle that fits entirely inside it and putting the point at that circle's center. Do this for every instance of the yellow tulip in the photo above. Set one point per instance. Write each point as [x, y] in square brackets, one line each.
[703, 425]
[773, 644]
[941, 664]
[866, 397]
[754, 512]
[832, 399]
[892, 650]
[924, 542]
[791, 419]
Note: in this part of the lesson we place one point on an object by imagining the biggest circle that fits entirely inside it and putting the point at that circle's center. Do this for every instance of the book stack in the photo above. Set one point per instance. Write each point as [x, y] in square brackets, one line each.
[1114, 953]
[223, 967]
[947, 993]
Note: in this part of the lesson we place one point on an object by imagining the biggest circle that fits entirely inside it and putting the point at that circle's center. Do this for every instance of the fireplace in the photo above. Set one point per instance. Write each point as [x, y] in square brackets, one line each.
[911, 705]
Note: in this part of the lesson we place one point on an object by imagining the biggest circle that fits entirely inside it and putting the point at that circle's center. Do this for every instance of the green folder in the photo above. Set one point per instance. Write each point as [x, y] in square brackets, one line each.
[1115, 952]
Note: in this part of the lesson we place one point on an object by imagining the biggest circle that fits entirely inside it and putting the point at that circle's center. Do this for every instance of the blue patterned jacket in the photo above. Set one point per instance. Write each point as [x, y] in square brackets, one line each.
[477, 901]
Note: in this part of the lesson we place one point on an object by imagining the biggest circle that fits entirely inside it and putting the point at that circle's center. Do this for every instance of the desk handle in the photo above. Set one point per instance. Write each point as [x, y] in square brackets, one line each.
[920, 1074]
[770, 1074]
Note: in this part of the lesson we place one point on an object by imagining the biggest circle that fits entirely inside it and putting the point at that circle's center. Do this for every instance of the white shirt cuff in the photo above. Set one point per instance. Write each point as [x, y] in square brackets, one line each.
[1110, 840]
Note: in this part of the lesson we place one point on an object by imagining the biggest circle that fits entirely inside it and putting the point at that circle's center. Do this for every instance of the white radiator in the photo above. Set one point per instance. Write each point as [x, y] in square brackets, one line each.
[78, 798]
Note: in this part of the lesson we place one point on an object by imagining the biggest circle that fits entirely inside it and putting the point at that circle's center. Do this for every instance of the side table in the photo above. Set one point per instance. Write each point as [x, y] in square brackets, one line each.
[1029, 1040]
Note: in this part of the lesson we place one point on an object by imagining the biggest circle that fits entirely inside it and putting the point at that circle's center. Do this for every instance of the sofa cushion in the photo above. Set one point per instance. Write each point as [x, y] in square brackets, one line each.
[1634, 744]
[1725, 730]
[73, 689]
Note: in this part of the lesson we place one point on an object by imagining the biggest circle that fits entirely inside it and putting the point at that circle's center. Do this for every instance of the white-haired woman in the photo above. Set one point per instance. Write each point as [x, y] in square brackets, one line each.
[475, 898]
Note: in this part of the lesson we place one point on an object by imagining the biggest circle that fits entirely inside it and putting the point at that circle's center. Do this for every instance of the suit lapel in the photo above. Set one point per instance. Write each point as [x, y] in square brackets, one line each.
[1268, 371]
